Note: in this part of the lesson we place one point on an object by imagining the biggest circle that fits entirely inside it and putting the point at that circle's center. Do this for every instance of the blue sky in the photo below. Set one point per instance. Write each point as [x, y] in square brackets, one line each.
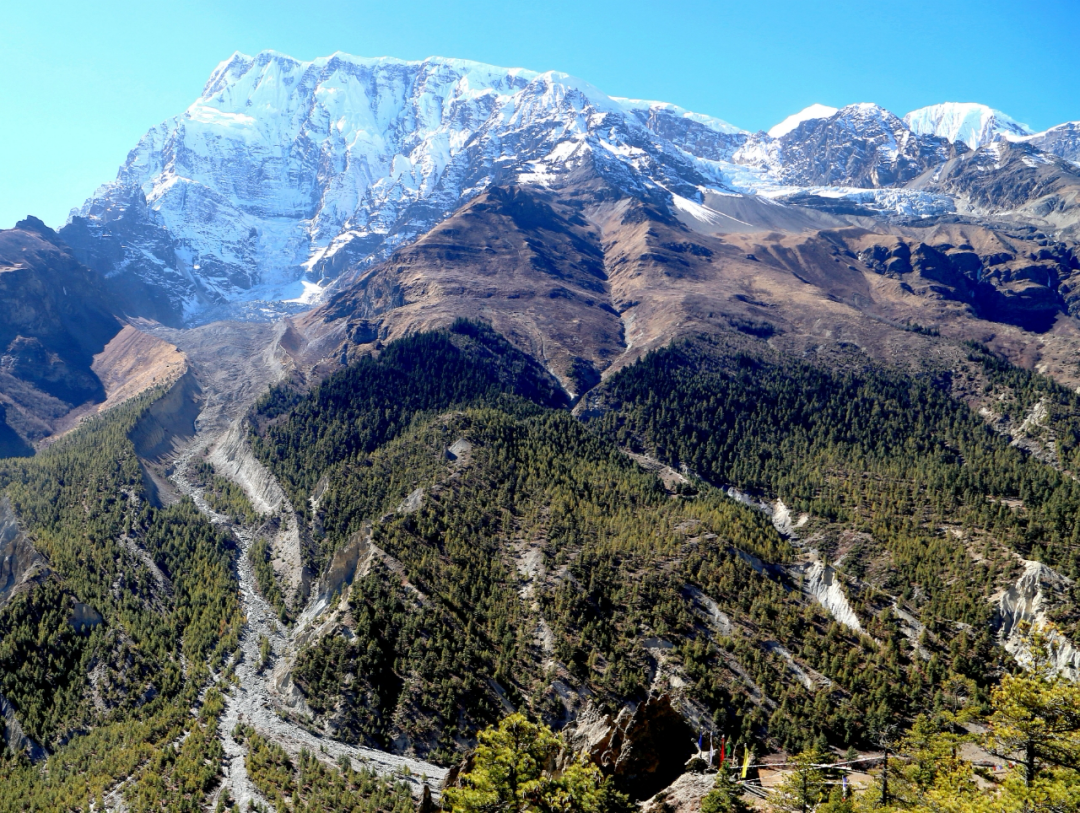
[81, 82]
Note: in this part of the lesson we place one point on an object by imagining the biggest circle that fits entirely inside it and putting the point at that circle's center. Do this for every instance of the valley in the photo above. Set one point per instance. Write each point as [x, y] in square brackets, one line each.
[379, 411]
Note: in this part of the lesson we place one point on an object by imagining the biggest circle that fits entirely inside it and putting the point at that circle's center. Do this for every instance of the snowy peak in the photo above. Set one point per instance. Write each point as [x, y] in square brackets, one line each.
[860, 145]
[284, 176]
[814, 111]
[1062, 140]
[973, 124]
[283, 173]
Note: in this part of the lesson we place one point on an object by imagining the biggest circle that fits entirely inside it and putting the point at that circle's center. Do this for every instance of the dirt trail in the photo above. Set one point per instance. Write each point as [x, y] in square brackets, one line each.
[255, 701]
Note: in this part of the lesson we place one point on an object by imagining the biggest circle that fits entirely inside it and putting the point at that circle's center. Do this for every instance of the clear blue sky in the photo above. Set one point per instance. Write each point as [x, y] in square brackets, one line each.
[81, 81]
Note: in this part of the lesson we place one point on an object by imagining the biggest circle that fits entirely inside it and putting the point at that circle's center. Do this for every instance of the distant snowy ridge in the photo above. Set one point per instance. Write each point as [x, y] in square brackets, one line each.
[1062, 140]
[814, 111]
[976, 125]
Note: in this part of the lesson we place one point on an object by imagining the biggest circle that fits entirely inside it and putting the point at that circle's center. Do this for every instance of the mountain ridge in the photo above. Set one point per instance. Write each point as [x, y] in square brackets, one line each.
[284, 173]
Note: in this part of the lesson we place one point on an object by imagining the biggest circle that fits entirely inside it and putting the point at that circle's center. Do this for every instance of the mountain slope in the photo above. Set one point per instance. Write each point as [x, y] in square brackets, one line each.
[284, 176]
[586, 281]
[1013, 178]
[573, 580]
[65, 351]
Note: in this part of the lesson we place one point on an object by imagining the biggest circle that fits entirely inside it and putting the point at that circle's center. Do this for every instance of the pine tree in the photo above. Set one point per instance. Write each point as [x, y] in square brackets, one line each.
[805, 787]
[725, 796]
[1036, 717]
[516, 770]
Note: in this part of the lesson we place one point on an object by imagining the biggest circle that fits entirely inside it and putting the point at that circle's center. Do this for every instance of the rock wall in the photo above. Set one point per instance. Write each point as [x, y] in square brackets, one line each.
[645, 749]
[1025, 604]
[20, 563]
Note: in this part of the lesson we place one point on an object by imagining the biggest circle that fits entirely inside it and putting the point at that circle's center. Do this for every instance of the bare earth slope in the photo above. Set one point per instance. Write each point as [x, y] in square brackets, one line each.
[586, 280]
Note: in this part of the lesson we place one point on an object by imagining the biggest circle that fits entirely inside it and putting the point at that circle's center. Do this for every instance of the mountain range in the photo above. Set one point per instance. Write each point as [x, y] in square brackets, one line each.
[374, 400]
[283, 174]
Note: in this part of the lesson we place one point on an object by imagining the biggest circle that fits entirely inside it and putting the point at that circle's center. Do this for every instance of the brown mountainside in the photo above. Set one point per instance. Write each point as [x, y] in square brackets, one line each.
[587, 280]
[65, 352]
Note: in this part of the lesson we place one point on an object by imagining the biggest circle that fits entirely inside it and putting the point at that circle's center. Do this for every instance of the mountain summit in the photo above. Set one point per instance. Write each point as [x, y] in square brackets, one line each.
[283, 172]
[974, 124]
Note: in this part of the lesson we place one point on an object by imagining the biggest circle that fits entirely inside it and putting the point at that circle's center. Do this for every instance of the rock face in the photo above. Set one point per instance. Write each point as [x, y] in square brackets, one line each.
[1063, 140]
[1026, 603]
[823, 585]
[684, 795]
[1011, 176]
[644, 749]
[861, 145]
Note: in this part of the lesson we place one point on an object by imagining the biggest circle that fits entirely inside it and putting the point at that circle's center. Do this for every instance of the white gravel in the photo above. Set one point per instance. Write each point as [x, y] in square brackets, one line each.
[255, 701]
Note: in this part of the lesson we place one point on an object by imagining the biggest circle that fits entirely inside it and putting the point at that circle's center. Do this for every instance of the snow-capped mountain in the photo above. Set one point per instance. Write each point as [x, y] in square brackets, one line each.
[861, 145]
[1062, 140]
[284, 175]
[974, 124]
[284, 172]
[814, 111]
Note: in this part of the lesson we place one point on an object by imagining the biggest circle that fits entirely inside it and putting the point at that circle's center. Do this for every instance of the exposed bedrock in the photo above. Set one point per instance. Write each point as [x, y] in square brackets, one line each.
[20, 563]
[1025, 605]
[645, 749]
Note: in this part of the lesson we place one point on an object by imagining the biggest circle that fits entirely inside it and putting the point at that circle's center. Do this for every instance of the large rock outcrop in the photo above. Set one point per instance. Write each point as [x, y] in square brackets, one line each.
[1024, 606]
[644, 748]
[20, 564]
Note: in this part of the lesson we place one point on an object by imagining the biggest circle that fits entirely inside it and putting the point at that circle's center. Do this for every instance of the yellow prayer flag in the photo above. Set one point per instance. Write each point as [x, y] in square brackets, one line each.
[746, 761]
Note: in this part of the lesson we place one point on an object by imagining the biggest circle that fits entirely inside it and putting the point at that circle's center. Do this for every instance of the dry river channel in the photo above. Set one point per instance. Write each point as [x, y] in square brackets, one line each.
[253, 700]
